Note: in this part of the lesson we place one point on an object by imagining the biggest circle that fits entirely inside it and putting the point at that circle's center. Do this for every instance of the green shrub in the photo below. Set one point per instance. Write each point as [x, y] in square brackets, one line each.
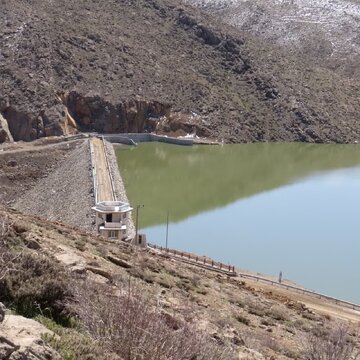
[72, 344]
[36, 285]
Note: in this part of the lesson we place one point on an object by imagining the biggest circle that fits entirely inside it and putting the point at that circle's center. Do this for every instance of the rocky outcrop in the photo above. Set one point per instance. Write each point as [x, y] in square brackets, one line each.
[27, 126]
[21, 339]
[93, 113]
[2, 312]
[5, 134]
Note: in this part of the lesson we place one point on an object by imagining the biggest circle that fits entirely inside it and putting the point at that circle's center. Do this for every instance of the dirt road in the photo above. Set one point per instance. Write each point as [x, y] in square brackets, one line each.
[103, 180]
[312, 302]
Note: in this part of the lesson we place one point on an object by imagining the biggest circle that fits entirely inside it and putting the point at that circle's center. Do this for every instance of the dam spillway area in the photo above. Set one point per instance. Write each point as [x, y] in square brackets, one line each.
[263, 207]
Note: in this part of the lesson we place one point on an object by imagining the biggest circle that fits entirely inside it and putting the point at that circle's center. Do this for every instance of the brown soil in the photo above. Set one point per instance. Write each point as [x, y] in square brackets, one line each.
[22, 165]
[139, 65]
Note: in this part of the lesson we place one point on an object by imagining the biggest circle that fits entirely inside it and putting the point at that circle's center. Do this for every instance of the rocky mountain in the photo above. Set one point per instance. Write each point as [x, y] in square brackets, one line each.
[160, 65]
[326, 31]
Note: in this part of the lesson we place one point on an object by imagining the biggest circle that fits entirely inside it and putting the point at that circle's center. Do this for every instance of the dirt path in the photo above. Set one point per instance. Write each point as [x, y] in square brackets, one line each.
[103, 181]
[313, 302]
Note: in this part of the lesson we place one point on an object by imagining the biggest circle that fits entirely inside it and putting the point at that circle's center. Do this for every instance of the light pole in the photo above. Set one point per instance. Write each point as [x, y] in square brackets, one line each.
[137, 221]
[167, 229]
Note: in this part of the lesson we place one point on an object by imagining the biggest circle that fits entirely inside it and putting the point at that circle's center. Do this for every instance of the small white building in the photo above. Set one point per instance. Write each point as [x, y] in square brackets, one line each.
[112, 218]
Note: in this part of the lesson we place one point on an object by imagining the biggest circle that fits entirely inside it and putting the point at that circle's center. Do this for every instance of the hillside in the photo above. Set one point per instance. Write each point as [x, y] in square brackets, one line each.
[118, 66]
[106, 300]
[324, 31]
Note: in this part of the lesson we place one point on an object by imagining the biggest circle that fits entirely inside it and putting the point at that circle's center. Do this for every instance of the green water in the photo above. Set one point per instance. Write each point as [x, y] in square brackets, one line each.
[264, 207]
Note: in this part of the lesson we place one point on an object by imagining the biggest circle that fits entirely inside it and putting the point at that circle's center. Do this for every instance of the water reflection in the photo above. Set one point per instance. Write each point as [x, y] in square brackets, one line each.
[263, 207]
[190, 180]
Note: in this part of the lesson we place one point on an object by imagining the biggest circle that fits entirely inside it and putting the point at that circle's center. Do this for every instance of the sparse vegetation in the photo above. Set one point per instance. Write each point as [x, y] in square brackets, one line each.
[35, 285]
[330, 344]
[80, 244]
[130, 326]
[6, 256]
[72, 344]
[30, 283]
[242, 319]
[277, 313]
[161, 313]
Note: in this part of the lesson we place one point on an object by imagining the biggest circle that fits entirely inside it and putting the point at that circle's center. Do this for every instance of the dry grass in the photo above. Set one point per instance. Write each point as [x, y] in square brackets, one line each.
[6, 256]
[332, 344]
[129, 325]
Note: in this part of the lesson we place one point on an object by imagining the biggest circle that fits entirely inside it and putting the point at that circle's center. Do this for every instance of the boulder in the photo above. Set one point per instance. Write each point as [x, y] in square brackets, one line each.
[119, 262]
[5, 135]
[2, 312]
[249, 354]
[20, 338]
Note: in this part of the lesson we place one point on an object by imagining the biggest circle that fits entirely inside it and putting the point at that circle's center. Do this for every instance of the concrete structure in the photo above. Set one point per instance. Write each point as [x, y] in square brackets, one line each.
[112, 218]
[134, 138]
[139, 240]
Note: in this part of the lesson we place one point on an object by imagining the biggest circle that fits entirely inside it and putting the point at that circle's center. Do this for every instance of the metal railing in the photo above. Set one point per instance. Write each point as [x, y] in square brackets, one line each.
[197, 260]
[230, 270]
[302, 291]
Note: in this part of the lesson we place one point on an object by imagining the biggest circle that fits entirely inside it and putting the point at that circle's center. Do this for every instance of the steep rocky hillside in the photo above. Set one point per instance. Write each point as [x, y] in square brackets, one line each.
[326, 31]
[159, 65]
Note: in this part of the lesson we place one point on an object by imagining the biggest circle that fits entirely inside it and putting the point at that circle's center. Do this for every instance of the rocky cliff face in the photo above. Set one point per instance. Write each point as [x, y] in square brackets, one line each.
[93, 113]
[5, 134]
[135, 66]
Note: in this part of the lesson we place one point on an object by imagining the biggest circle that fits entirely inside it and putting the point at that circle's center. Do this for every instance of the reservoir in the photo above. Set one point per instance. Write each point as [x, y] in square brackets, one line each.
[263, 207]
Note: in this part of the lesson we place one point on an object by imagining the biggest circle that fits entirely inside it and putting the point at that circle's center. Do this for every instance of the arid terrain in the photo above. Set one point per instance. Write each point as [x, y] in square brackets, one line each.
[160, 65]
[325, 31]
[243, 317]
[141, 66]
[49, 178]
